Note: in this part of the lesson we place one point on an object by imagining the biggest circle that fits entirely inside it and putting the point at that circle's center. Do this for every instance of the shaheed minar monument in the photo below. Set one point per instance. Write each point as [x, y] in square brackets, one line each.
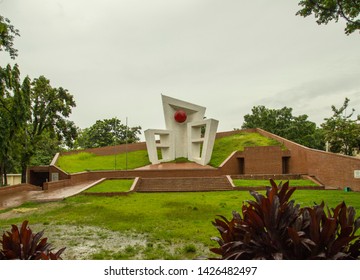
[187, 135]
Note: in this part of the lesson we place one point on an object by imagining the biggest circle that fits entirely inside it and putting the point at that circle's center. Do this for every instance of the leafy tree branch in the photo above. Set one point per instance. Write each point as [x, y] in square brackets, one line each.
[329, 10]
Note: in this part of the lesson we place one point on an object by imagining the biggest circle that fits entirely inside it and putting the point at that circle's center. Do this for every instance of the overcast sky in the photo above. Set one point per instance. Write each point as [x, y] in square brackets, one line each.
[118, 56]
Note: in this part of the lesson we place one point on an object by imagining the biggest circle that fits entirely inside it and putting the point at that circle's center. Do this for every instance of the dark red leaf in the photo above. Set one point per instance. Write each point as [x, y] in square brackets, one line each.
[24, 244]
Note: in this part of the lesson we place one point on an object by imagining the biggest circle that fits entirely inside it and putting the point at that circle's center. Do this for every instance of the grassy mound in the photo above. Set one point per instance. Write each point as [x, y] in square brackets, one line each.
[223, 147]
[91, 162]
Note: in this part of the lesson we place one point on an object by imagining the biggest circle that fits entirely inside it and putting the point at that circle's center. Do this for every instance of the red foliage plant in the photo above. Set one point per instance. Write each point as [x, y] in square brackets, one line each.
[272, 227]
[24, 245]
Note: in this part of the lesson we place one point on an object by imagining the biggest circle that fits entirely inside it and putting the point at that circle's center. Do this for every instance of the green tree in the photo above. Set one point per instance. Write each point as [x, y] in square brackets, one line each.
[342, 130]
[107, 132]
[14, 111]
[49, 111]
[11, 92]
[33, 116]
[7, 36]
[46, 149]
[281, 122]
[331, 10]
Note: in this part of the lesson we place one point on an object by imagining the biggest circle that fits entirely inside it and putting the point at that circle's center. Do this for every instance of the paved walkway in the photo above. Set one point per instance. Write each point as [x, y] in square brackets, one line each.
[17, 198]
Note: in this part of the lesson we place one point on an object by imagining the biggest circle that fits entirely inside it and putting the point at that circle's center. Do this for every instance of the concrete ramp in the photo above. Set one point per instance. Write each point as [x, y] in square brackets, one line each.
[18, 197]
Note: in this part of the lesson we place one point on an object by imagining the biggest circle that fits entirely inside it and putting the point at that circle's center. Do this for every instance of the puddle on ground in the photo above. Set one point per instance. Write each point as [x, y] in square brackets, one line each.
[82, 242]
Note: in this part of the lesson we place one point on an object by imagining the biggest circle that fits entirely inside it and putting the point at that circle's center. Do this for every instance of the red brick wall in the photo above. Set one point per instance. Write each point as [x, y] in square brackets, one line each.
[57, 184]
[231, 165]
[331, 169]
[298, 160]
[334, 170]
[256, 160]
[262, 160]
[17, 188]
[96, 175]
[62, 174]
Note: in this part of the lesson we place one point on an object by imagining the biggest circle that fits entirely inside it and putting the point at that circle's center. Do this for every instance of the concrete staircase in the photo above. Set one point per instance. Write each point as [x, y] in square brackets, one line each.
[183, 184]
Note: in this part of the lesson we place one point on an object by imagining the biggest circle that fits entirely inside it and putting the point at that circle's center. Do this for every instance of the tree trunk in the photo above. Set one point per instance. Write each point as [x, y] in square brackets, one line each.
[25, 161]
[5, 176]
[1, 175]
[23, 173]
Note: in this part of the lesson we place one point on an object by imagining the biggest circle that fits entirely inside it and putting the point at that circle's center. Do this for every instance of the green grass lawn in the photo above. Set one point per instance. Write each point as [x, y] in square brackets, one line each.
[174, 225]
[223, 147]
[258, 183]
[91, 162]
[122, 185]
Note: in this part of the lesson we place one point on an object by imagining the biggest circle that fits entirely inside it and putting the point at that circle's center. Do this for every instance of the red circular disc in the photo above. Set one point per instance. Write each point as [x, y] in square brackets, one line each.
[180, 116]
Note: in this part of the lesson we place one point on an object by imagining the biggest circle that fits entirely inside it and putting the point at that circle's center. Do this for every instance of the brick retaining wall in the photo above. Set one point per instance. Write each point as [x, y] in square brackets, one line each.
[57, 184]
[333, 170]
[18, 188]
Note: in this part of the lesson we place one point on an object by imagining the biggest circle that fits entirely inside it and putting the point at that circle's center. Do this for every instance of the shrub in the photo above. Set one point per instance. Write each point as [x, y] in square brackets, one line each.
[272, 227]
[24, 245]
[190, 248]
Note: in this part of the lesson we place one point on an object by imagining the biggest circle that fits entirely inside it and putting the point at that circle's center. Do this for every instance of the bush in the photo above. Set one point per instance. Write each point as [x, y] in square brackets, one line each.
[24, 245]
[272, 227]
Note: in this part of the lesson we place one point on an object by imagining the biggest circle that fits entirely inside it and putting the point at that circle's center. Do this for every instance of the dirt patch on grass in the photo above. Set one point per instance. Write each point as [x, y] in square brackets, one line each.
[90, 242]
[82, 242]
[14, 213]
[24, 211]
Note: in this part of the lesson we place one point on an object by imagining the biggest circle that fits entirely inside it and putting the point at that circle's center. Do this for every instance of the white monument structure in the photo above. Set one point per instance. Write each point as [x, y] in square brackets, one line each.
[187, 133]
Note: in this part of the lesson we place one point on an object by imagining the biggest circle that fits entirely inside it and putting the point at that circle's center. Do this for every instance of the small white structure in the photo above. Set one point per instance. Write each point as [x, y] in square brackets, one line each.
[13, 179]
[187, 133]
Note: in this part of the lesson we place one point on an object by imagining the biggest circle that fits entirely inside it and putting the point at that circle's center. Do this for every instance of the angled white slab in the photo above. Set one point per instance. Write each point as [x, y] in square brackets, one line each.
[177, 140]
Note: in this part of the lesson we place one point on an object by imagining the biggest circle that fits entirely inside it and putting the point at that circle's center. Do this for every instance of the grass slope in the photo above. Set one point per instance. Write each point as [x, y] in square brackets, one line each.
[122, 185]
[167, 220]
[91, 162]
[223, 147]
[257, 183]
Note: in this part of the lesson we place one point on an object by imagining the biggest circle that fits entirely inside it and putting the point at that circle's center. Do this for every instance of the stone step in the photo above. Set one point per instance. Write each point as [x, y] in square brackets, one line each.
[183, 184]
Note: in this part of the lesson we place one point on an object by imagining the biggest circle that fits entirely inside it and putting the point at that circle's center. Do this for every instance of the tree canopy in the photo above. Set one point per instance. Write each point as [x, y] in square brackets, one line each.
[107, 132]
[7, 36]
[281, 122]
[33, 114]
[49, 109]
[14, 111]
[331, 10]
[13, 97]
[342, 130]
